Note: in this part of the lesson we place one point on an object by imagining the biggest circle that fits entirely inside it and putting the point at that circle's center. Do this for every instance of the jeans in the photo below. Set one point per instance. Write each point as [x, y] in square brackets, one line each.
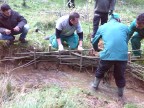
[23, 32]
[119, 70]
[98, 16]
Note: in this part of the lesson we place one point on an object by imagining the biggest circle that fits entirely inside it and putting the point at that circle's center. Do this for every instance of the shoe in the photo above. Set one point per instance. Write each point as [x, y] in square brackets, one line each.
[120, 92]
[47, 38]
[23, 41]
[135, 57]
[96, 82]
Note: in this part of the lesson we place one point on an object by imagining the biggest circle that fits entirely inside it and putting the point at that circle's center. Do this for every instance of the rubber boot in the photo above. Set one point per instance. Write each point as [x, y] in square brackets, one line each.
[120, 92]
[96, 83]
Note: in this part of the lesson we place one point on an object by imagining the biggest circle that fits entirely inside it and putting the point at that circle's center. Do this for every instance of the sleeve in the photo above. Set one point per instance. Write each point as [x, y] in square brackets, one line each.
[79, 28]
[80, 35]
[112, 4]
[132, 29]
[21, 20]
[58, 25]
[127, 32]
[96, 39]
[2, 29]
[58, 32]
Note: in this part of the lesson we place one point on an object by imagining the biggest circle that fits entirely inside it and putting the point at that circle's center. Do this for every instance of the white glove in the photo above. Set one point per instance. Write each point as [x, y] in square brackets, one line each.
[60, 47]
[91, 40]
[80, 48]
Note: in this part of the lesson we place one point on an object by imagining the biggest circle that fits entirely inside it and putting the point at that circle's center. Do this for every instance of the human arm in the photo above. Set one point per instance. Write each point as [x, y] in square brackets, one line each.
[21, 21]
[4, 30]
[132, 28]
[96, 39]
[60, 46]
[80, 40]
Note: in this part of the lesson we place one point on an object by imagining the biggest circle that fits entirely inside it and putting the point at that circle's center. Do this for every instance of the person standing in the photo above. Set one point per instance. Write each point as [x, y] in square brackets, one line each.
[115, 36]
[137, 34]
[102, 9]
[12, 23]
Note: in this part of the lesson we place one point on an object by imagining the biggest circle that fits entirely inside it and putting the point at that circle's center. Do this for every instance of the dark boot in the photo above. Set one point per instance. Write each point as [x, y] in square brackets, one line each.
[96, 83]
[120, 92]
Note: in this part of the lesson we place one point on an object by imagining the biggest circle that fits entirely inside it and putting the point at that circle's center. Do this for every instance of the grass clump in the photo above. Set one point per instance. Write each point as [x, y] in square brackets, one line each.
[50, 97]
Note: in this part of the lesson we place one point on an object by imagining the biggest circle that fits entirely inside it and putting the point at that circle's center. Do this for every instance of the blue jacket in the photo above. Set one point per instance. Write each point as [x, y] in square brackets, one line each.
[115, 37]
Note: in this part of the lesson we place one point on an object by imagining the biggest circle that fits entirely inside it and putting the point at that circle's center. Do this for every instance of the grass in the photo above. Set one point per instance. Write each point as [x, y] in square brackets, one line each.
[50, 97]
[42, 14]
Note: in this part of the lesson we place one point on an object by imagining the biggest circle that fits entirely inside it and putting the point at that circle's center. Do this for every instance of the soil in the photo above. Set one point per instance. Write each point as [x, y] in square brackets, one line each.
[23, 79]
[47, 73]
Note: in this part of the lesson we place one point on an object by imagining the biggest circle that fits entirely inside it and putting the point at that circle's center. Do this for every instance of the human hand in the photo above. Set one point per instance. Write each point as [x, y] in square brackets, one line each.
[16, 29]
[80, 48]
[7, 31]
[91, 40]
[110, 12]
[60, 47]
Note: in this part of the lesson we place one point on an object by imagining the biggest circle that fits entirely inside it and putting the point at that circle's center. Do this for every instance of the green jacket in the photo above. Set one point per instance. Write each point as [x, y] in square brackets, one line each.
[115, 37]
[133, 29]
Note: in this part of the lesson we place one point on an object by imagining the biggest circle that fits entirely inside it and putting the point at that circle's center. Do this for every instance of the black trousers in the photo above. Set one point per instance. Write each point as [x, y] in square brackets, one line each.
[99, 18]
[119, 71]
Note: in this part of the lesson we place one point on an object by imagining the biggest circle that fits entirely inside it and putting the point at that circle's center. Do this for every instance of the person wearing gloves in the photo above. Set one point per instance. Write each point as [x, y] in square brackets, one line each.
[102, 9]
[137, 34]
[12, 23]
[65, 32]
[115, 36]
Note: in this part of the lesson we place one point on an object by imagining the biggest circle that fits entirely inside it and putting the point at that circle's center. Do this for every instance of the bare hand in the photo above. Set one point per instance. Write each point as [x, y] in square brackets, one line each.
[16, 29]
[7, 31]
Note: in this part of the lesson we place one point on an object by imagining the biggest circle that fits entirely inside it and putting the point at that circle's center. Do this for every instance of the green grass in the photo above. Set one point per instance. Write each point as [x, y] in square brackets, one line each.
[50, 97]
[42, 14]
[131, 106]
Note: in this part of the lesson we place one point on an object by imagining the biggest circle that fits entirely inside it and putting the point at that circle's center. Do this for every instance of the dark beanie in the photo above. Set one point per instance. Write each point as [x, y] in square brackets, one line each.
[5, 7]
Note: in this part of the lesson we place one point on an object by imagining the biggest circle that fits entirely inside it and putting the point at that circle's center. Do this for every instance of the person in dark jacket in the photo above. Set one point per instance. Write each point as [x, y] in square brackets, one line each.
[137, 34]
[101, 10]
[12, 23]
[114, 53]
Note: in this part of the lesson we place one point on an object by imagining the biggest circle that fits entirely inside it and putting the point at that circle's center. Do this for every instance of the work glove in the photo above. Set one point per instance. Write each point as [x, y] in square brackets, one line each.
[80, 48]
[91, 40]
[110, 12]
[60, 47]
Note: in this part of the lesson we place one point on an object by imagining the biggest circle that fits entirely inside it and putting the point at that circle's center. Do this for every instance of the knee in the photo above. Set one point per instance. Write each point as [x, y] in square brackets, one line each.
[74, 46]
[26, 28]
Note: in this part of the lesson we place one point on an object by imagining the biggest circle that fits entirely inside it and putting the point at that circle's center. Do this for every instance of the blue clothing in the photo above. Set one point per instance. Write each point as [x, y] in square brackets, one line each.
[133, 29]
[115, 36]
[137, 35]
[72, 41]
